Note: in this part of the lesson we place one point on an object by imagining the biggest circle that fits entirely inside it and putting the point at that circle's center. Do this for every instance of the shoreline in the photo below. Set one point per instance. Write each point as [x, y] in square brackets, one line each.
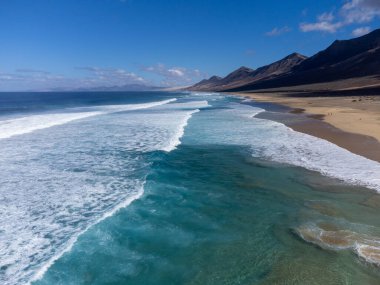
[351, 122]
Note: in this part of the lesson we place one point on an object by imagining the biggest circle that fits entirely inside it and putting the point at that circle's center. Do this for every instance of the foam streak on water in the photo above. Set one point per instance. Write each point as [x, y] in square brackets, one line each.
[58, 182]
[39, 274]
[237, 125]
[320, 155]
[172, 145]
[179, 132]
[365, 246]
[24, 125]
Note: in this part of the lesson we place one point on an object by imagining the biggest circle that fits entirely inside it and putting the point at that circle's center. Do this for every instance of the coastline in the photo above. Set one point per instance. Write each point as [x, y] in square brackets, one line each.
[351, 122]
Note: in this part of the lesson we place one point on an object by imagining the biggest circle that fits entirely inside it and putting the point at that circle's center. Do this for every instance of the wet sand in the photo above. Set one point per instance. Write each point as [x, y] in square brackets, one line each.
[349, 122]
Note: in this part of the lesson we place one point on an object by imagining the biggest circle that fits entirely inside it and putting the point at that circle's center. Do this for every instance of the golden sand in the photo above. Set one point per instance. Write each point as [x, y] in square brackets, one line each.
[360, 115]
[352, 115]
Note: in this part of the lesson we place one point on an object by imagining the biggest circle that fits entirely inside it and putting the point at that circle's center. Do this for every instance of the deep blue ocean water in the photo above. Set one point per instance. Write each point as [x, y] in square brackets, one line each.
[177, 188]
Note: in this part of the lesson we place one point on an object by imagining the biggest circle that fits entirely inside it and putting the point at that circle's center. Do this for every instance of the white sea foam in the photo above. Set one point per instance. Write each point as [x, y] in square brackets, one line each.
[172, 144]
[125, 107]
[320, 155]
[370, 253]
[182, 123]
[367, 247]
[176, 139]
[40, 273]
[55, 185]
[189, 105]
[24, 125]
[275, 141]
[280, 143]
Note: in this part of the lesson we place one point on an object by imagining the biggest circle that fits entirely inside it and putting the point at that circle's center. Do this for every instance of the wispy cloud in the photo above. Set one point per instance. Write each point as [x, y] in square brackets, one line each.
[361, 31]
[360, 11]
[326, 17]
[22, 75]
[30, 70]
[250, 52]
[352, 12]
[33, 79]
[112, 76]
[278, 31]
[175, 76]
[322, 26]
[28, 79]
[93, 76]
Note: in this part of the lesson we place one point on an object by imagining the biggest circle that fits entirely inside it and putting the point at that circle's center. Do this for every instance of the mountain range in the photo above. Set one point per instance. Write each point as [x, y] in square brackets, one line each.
[342, 60]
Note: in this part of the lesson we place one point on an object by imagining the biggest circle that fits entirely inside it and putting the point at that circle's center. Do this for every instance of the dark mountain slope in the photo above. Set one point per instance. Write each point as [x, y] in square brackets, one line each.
[357, 57]
[245, 75]
[206, 84]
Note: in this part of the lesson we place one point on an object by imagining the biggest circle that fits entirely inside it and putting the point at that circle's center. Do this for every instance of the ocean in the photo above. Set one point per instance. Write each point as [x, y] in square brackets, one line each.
[177, 188]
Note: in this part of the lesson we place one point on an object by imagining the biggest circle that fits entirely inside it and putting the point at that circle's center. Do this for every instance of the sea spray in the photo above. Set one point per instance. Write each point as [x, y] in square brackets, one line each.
[24, 125]
[72, 176]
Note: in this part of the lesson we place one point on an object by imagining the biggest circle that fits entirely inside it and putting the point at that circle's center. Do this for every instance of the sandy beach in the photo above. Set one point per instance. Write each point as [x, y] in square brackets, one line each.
[352, 122]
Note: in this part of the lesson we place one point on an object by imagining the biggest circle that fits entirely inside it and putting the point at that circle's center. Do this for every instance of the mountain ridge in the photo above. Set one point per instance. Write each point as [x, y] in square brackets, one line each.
[343, 59]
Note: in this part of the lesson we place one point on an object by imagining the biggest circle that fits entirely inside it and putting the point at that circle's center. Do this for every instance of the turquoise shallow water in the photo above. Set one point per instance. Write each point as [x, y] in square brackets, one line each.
[179, 188]
[210, 215]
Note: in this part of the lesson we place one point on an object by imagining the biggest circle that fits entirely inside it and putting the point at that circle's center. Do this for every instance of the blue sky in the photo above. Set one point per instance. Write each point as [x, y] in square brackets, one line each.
[85, 43]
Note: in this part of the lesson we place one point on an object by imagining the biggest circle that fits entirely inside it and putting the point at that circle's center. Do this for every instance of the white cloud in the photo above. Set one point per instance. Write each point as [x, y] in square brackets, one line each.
[92, 77]
[176, 72]
[25, 79]
[278, 31]
[352, 12]
[30, 70]
[7, 77]
[175, 76]
[360, 11]
[323, 26]
[326, 17]
[112, 76]
[31, 75]
[370, 4]
[31, 79]
[361, 31]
